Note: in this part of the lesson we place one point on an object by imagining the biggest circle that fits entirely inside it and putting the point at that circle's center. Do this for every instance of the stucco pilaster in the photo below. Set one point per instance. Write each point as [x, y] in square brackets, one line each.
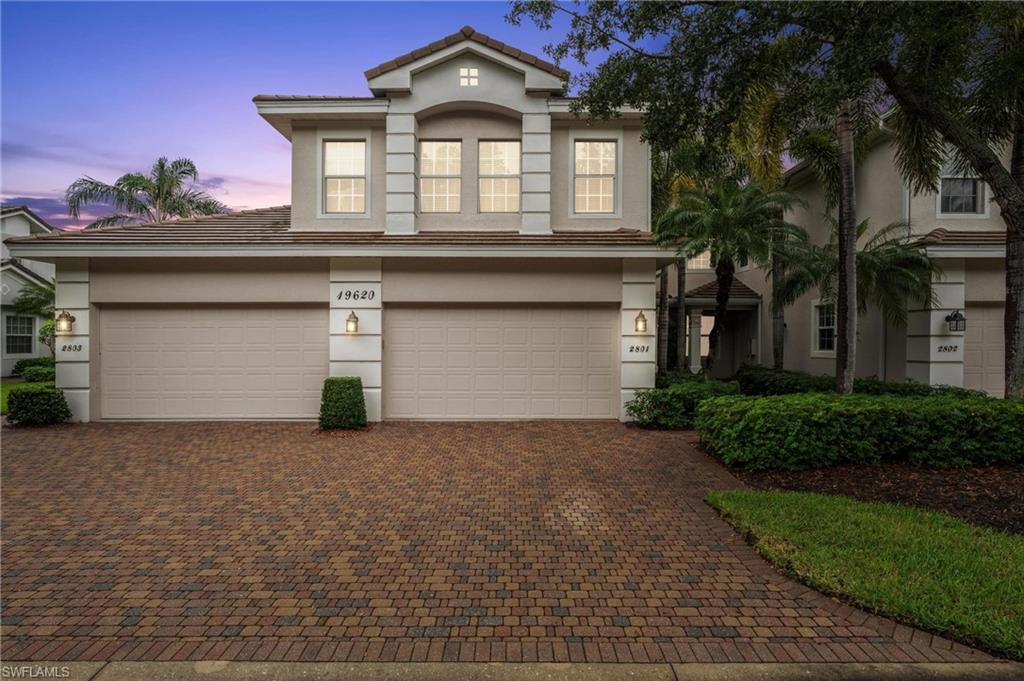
[637, 353]
[401, 143]
[72, 351]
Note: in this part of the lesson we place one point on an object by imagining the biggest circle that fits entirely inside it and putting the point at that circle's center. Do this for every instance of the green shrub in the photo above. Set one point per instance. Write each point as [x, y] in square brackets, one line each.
[667, 378]
[23, 364]
[674, 406]
[37, 404]
[800, 431]
[758, 380]
[38, 374]
[342, 404]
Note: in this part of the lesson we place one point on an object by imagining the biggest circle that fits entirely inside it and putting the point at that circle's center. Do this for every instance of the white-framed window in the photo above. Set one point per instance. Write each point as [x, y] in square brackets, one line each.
[440, 176]
[823, 328]
[962, 197]
[469, 77]
[594, 176]
[344, 170]
[700, 262]
[20, 334]
[499, 176]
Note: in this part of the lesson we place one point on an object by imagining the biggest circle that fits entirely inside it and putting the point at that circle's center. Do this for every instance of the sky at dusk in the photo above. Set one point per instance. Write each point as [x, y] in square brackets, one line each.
[101, 89]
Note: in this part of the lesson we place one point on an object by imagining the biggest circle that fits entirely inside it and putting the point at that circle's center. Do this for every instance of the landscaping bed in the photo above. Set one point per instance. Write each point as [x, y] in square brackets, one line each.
[984, 495]
[920, 567]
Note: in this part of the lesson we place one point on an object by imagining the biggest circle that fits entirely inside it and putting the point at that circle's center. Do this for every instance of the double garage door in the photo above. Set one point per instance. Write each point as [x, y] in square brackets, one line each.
[238, 362]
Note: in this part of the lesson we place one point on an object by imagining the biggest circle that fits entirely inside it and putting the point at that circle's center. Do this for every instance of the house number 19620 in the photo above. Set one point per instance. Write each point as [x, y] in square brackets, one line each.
[356, 294]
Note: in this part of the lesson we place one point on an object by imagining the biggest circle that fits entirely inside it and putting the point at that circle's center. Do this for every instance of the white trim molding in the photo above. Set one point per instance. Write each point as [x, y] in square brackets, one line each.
[343, 135]
[587, 134]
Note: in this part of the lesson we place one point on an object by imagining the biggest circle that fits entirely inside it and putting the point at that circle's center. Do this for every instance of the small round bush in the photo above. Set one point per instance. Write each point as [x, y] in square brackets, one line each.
[342, 404]
[37, 404]
[38, 374]
[23, 364]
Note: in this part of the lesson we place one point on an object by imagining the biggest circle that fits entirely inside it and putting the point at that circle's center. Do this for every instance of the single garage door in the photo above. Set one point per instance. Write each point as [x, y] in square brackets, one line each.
[984, 348]
[212, 362]
[500, 363]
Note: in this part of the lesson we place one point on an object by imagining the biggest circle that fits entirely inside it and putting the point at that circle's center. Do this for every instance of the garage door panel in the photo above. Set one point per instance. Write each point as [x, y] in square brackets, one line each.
[496, 362]
[212, 362]
[984, 350]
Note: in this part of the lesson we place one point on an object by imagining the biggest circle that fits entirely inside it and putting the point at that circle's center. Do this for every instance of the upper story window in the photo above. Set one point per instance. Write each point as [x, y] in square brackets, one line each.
[499, 177]
[344, 176]
[594, 176]
[824, 328]
[20, 331]
[469, 77]
[700, 262]
[962, 197]
[440, 177]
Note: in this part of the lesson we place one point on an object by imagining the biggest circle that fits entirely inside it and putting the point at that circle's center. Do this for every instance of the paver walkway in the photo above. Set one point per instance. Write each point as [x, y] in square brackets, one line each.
[518, 542]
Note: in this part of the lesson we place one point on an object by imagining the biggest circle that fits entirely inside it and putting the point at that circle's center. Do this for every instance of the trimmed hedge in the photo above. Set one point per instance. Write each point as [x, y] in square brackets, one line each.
[23, 364]
[39, 374]
[342, 404]
[667, 378]
[674, 406]
[794, 432]
[758, 380]
[37, 404]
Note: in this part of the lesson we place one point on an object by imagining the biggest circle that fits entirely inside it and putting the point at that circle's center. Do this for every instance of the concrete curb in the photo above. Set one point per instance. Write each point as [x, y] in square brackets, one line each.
[493, 671]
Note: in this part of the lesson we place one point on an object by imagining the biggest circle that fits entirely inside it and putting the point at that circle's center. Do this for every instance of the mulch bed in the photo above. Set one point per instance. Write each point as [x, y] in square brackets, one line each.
[988, 495]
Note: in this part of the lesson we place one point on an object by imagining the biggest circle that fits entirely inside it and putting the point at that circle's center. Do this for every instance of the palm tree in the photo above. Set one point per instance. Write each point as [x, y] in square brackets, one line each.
[891, 269]
[736, 224]
[168, 191]
[37, 300]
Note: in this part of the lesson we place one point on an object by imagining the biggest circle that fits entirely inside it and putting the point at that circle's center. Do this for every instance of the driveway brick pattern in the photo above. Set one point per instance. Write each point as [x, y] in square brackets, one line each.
[518, 542]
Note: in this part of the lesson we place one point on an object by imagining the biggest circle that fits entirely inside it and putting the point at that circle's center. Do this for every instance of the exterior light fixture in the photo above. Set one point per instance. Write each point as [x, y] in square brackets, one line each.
[956, 321]
[640, 323]
[352, 323]
[64, 323]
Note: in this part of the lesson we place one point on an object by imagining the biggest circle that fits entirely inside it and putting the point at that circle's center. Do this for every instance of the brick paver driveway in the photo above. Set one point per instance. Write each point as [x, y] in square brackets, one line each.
[487, 542]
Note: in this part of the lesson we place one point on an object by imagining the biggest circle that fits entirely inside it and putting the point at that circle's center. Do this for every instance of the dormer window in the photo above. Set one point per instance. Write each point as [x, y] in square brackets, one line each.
[469, 77]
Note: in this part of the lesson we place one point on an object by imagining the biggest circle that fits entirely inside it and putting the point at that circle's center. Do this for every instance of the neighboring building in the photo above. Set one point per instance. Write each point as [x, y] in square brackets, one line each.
[494, 248]
[960, 226]
[18, 333]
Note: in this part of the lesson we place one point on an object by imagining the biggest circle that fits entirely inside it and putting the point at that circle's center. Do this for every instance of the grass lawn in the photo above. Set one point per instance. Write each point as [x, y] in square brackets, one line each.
[921, 567]
[6, 388]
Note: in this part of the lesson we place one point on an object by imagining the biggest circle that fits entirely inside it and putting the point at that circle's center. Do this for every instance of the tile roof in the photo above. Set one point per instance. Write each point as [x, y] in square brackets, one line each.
[948, 237]
[466, 33]
[270, 226]
[710, 290]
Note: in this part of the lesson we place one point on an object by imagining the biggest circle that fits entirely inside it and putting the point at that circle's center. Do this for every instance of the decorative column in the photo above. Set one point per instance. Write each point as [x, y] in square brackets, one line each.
[638, 352]
[401, 174]
[356, 289]
[694, 341]
[536, 215]
[72, 351]
[935, 355]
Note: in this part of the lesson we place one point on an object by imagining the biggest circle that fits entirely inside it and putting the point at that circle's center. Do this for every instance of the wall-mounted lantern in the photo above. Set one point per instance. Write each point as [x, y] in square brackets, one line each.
[956, 321]
[352, 323]
[640, 323]
[64, 323]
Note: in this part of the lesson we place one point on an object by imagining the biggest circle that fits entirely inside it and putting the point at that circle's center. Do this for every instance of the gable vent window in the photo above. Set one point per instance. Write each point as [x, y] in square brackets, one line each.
[469, 77]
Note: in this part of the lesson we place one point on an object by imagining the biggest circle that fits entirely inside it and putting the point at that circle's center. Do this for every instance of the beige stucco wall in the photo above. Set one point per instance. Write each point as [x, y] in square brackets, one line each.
[924, 212]
[494, 280]
[470, 127]
[985, 280]
[633, 210]
[209, 280]
[306, 178]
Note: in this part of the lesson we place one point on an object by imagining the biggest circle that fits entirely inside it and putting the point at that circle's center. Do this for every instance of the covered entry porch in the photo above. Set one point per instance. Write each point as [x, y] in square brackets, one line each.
[740, 342]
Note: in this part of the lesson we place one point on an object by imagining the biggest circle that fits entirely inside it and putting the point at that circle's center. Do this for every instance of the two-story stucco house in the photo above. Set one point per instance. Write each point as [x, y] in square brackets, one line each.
[19, 334]
[458, 240]
[959, 225]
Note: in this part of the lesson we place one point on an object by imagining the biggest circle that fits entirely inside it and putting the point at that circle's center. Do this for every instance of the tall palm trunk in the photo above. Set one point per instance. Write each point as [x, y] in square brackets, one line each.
[681, 321]
[662, 364]
[1013, 321]
[725, 271]
[846, 294]
[778, 318]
